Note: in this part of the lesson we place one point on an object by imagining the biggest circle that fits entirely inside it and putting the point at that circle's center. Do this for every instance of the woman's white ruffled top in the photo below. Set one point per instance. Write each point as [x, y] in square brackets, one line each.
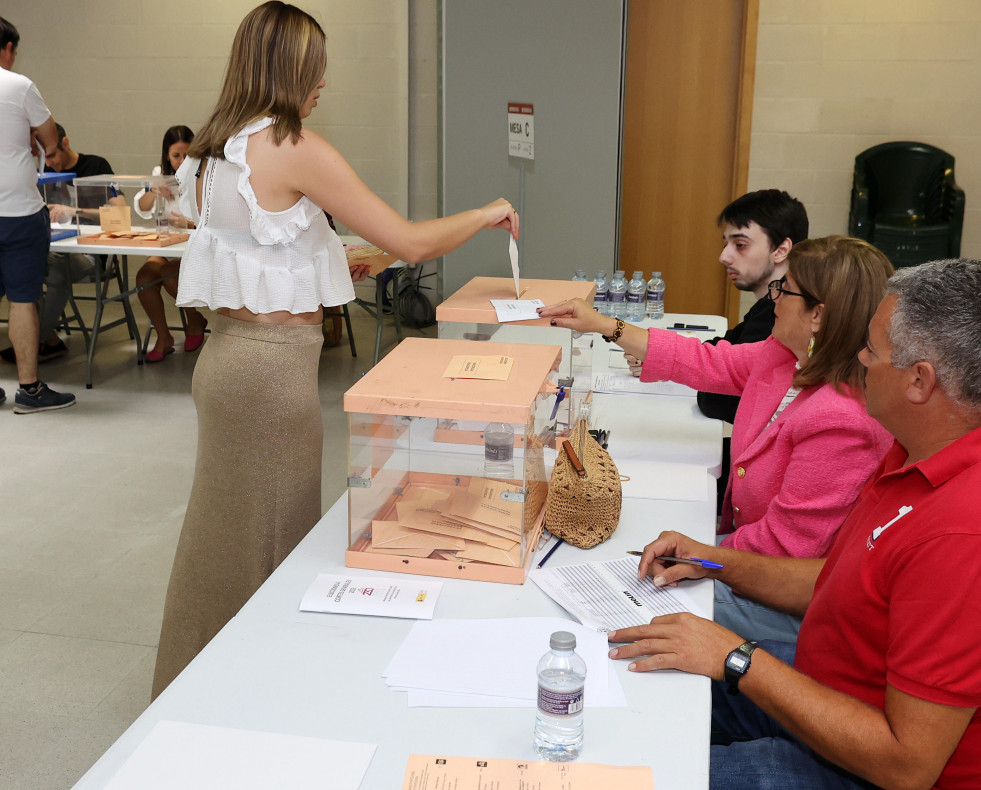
[244, 256]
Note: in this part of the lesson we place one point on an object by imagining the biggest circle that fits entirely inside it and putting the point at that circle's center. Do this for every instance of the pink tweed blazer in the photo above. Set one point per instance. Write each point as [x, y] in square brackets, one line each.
[792, 483]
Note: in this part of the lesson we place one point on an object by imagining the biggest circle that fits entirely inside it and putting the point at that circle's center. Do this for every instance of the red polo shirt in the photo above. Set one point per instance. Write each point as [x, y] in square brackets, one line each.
[898, 601]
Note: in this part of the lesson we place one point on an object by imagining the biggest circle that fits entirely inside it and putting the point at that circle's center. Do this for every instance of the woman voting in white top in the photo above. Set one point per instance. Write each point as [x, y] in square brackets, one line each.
[265, 258]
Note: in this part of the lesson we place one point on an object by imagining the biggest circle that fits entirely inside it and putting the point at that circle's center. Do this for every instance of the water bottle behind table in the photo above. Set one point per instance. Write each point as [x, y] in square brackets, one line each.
[655, 296]
[561, 682]
[499, 450]
[636, 298]
[600, 299]
[618, 295]
[580, 276]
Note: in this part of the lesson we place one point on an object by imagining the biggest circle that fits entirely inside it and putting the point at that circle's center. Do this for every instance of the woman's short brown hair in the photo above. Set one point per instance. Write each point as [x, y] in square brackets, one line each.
[278, 58]
[848, 276]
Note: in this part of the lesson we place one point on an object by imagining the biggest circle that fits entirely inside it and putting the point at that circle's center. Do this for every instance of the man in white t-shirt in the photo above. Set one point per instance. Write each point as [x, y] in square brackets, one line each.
[25, 231]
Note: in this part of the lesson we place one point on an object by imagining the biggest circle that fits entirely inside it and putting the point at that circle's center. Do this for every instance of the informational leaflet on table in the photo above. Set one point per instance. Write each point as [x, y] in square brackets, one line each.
[374, 595]
[607, 596]
[435, 772]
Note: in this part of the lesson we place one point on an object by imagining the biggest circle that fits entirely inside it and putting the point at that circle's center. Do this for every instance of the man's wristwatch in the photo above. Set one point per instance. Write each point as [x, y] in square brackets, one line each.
[737, 665]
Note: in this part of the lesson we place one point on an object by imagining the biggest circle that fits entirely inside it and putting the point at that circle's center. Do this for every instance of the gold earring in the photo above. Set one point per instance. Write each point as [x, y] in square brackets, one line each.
[810, 347]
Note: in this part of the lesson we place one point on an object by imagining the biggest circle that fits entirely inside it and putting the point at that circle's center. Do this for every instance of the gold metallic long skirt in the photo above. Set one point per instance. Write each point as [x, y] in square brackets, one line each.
[257, 478]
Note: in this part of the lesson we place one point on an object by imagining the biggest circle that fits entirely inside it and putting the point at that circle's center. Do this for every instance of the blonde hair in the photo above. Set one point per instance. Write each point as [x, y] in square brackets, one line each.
[278, 58]
[848, 276]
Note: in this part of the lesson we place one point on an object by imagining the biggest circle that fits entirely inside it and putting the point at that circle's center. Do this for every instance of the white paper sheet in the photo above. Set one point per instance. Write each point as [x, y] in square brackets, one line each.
[419, 698]
[374, 595]
[501, 657]
[201, 757]
[516, 309]
[608, 595]
[513, 254]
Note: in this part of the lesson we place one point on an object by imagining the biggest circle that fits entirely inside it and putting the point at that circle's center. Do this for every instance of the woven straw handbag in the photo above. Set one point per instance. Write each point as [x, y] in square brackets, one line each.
[583, 504]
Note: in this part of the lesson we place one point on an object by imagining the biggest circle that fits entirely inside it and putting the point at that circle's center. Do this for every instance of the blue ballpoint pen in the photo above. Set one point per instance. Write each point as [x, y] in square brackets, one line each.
[707, 564]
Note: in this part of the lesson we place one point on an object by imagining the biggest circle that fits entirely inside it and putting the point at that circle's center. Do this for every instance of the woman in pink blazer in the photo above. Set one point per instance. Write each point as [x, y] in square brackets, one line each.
[802, 444]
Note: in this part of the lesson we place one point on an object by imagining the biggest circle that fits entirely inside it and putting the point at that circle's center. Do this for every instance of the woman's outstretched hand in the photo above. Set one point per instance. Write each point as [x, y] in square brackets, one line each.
[501, 214]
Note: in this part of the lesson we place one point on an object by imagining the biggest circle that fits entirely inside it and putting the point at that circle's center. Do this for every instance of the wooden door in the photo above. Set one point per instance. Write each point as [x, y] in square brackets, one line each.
[687, 114]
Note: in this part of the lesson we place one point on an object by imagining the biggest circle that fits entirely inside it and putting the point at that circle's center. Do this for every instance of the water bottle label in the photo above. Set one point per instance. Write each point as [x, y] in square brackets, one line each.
[634, 298]
[560, 703]
[620, 297]
[600, 296]
[655, 296]
[502, 452]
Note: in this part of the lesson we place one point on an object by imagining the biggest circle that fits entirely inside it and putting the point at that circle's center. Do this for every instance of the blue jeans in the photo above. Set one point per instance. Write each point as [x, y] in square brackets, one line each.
[751, 751]
[751, 620]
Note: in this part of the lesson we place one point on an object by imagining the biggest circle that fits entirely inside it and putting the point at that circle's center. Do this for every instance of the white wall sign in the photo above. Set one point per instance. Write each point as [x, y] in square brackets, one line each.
[521, 130]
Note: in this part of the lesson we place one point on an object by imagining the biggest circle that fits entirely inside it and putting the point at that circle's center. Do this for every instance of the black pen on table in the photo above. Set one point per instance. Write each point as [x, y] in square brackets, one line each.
[707, 564]
[551, 551]
[692, 327]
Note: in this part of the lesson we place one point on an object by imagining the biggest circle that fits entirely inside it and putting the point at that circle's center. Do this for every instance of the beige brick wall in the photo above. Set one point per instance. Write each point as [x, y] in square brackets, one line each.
[834, 77]
[117, 73]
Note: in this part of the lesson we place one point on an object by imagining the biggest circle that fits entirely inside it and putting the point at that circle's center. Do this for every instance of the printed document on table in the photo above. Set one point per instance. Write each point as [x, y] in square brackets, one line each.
[612, 374]
[381, 596]
[607, 596]
[201, 757]
[436, 772]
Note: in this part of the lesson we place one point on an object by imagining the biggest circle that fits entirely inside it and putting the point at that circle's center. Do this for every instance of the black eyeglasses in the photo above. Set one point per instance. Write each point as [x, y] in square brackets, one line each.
[775, 288]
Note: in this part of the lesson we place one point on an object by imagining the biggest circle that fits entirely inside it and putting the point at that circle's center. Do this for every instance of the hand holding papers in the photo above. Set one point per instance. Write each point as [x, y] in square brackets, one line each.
[607, 596]
[516, 309]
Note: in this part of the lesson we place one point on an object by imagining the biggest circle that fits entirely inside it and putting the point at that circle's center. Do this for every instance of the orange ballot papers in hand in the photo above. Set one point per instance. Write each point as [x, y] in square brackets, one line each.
[434, 772]
[496, 368]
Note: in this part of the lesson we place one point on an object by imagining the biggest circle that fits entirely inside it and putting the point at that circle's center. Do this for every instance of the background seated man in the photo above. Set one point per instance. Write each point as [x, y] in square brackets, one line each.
[63, 268]
[886, 682]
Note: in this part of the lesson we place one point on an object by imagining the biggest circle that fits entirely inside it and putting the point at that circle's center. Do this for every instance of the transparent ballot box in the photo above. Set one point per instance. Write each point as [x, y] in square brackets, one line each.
[58, 193]
[447, 474]
[469, 315]
[129, 211]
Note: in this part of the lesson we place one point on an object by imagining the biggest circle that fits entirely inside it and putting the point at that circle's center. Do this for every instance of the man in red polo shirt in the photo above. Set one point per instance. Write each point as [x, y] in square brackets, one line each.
[886, 683]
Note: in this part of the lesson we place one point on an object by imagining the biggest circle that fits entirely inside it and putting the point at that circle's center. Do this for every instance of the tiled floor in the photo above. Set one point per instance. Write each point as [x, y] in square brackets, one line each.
[91, 504]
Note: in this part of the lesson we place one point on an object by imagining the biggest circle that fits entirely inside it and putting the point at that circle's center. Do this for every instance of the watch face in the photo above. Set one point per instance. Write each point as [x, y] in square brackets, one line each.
[738, 662]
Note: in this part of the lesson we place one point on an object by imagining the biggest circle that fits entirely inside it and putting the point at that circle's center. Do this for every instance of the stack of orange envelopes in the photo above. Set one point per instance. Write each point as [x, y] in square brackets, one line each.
[473, 524]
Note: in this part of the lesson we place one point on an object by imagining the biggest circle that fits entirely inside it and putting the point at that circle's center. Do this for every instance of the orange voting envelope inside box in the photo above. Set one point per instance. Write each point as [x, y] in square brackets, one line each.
[446, 462]
[469, 314]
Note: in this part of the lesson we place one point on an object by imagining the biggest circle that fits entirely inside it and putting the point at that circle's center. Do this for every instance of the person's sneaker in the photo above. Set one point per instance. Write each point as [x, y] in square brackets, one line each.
[42, 399]
[8, 355]
[51, 351]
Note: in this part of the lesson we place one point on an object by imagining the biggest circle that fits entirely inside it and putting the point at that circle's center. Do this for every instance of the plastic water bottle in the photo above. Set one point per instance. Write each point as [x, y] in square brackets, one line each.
[599, 300]
[618, 295]
[498, 450]
[561, 680]
[636, 296]
[580, 276]
[655, 296]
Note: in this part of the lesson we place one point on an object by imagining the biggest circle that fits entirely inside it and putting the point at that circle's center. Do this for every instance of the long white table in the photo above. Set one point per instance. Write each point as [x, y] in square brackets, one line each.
[276, 669]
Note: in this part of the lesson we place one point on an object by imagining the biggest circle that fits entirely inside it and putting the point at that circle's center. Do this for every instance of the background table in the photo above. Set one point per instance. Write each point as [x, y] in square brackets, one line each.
[104, 274]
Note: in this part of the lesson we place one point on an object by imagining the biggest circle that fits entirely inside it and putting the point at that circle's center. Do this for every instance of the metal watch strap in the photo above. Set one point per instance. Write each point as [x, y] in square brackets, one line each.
[732, 675]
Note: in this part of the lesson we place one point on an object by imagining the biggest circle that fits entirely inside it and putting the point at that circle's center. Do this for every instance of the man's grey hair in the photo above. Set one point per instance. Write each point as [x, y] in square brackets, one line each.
[937, 319]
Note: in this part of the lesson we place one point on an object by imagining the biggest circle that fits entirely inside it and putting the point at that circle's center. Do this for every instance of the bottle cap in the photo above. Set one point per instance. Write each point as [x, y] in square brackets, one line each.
[638, 275]
[657, 275]
[562, 640]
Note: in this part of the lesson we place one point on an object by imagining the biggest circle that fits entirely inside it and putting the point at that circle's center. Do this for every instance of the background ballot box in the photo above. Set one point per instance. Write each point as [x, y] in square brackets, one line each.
[421, 497]
[58, 193]
[469, 315]
[107, 212]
